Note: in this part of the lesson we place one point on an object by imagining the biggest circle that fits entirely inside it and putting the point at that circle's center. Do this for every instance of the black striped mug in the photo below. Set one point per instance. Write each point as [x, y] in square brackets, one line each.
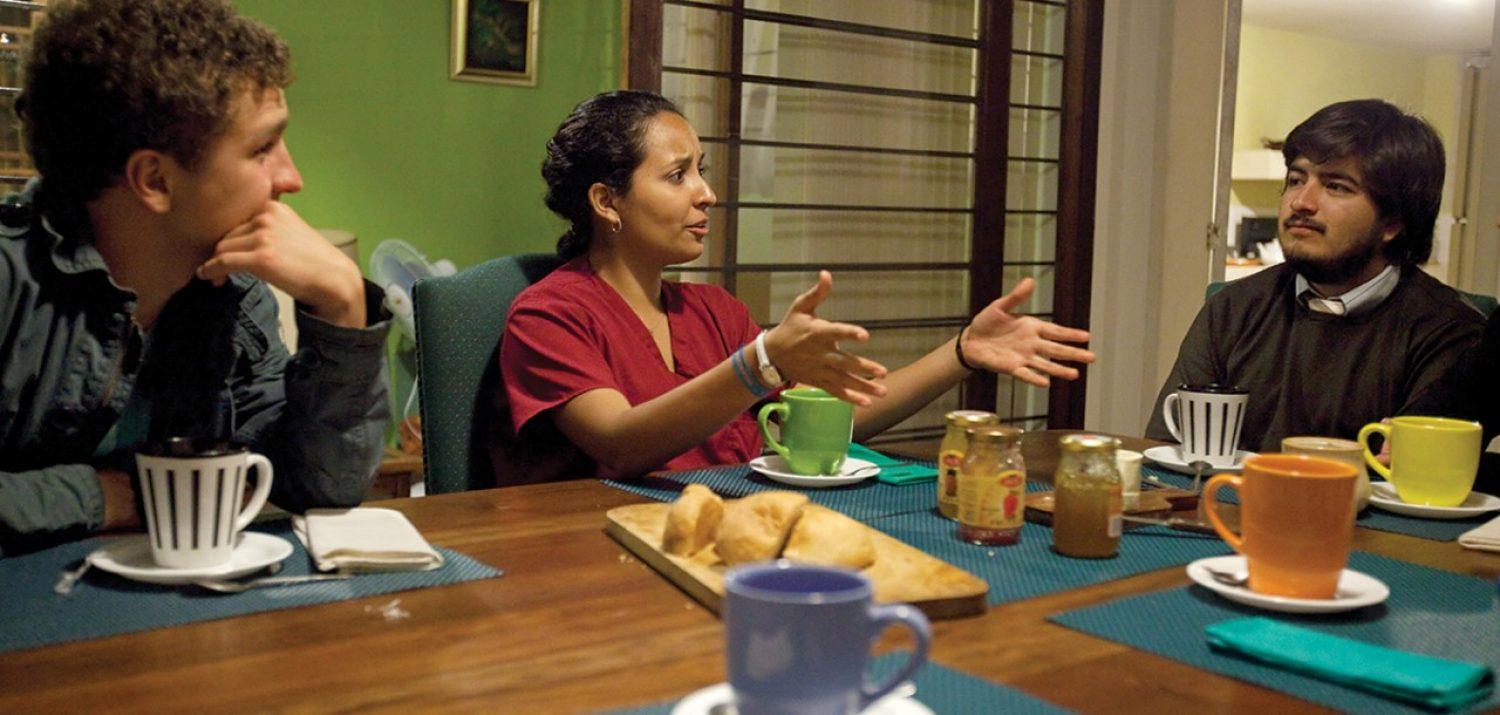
[1206, 420]
[193, 493]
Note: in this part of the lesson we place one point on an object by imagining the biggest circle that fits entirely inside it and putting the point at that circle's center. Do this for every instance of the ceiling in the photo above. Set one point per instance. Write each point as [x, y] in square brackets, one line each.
[1437, 26]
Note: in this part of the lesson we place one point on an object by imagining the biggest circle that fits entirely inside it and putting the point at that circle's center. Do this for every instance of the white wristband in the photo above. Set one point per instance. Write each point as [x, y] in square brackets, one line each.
[768, 372]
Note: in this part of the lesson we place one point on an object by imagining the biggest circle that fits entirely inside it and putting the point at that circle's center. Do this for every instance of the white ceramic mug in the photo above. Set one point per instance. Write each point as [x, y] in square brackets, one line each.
[194, 498]
[1206, 420]
[1339, 450]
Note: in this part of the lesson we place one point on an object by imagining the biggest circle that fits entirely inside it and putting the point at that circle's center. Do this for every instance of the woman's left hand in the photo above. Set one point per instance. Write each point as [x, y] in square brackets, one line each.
[1024, 347]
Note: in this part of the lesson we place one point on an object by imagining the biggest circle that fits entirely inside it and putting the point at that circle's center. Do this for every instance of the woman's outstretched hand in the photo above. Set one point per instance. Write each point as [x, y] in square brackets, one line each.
[1024, 347]
[805, 349]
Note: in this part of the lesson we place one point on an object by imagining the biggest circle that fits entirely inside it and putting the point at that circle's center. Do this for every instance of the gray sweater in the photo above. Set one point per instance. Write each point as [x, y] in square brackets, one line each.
[1315, 374]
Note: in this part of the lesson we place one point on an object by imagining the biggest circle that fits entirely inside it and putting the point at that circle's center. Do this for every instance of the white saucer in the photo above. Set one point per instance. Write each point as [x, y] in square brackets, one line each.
[1383, 495]
[776, 469]
[1356, 590]
[131, 557]
[718, 699]
[1167, 456]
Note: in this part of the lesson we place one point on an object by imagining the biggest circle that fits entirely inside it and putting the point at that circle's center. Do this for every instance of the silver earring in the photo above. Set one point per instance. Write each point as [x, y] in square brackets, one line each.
[614, 227]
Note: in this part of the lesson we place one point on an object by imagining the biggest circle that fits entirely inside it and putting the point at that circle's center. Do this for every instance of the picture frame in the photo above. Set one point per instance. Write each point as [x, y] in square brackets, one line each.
[495, 41]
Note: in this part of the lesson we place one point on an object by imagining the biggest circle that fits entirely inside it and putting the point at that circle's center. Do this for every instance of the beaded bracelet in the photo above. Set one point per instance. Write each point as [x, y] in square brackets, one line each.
[958, 349]
[746, 375]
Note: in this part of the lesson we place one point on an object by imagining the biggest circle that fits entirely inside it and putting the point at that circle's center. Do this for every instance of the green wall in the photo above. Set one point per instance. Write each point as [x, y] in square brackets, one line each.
[390, 147]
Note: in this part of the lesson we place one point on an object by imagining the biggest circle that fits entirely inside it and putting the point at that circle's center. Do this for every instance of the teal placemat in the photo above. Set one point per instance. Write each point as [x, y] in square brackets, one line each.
[942, 689]
[1031, 568]
[1432, 612]
[1374, 518]
[869, 499]
[103, 604]
[1371, 518]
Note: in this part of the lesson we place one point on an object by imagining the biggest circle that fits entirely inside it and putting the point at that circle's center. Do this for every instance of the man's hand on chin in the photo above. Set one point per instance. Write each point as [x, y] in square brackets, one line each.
[278, 247]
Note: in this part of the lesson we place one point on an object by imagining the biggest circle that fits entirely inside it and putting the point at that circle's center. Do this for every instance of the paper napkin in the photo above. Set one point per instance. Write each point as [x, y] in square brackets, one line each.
[1408, 677]
[1485, 537]
[892, 470]
[364, 539]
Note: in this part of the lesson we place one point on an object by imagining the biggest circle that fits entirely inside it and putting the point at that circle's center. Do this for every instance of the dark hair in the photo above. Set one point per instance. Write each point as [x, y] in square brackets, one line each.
[105, 78]
[602, 141]
[1399, 155]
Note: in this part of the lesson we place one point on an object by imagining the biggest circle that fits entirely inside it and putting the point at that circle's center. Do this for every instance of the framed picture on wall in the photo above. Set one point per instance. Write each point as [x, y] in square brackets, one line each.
[495, 41]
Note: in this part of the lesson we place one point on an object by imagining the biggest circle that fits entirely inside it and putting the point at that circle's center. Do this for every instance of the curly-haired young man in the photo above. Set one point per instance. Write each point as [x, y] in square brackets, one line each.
[133, 274]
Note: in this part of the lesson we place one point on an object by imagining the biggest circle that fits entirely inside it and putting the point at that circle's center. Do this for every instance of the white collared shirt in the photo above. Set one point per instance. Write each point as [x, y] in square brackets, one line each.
[1361, 299]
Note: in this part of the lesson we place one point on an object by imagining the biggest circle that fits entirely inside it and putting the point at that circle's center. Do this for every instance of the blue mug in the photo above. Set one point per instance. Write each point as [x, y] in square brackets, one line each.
[798, 638]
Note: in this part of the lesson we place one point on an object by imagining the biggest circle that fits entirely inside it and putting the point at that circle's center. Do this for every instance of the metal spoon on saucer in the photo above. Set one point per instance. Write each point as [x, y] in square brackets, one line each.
[1199, 467]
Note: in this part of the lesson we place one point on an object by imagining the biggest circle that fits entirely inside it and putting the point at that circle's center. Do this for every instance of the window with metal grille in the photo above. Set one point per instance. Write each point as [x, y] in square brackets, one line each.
[18, 20]
[930, 153]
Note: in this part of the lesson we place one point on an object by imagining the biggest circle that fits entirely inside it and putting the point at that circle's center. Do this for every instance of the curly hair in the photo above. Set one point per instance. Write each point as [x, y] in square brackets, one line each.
[603, 140]
[105, 78]
[1400, 158]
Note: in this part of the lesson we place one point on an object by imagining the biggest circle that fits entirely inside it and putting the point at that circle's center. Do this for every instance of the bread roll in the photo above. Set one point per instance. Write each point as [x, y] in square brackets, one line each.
[756, 527]
[692, 521]
[828, 538]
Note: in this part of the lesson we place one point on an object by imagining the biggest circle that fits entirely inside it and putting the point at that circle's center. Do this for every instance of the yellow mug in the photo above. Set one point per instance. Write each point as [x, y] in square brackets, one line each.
[1433, 459]
[1296, 522]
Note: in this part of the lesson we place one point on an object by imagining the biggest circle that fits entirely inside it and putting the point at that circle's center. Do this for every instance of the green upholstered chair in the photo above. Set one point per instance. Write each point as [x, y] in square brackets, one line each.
[459, 320]
[1483, 303]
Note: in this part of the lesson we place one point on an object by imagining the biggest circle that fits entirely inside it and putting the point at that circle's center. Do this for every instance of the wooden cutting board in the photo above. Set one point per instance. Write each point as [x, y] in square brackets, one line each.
[901, 574]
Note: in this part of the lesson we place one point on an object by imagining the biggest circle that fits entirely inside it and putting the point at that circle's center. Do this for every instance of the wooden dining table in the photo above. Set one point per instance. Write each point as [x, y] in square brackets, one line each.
[577, 624]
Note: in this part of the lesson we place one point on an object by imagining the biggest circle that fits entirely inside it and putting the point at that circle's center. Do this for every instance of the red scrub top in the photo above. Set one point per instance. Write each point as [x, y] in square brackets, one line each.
[571, 332]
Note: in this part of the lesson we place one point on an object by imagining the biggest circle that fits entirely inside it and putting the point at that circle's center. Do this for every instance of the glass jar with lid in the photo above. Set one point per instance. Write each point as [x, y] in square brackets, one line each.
[1086, 522]
[992, 487]
[951, 455]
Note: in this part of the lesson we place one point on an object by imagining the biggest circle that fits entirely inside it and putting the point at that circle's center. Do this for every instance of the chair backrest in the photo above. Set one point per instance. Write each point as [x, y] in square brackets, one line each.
[459, 320]
[1483, 303]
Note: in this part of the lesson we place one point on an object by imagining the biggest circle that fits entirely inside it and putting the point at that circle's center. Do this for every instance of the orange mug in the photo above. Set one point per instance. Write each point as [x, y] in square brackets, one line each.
[1296, 522]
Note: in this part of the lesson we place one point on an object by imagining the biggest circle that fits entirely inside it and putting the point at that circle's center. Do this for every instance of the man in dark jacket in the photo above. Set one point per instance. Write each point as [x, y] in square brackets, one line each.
[1349, 330]
[133, 274]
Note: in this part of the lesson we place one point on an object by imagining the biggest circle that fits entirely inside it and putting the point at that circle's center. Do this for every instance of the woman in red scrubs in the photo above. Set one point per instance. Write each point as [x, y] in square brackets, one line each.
[643, 374]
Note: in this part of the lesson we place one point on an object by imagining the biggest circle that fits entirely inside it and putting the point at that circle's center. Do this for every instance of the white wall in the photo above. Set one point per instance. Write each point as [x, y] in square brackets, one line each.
[1482, 257]
[1157, 136]
[1127, 219]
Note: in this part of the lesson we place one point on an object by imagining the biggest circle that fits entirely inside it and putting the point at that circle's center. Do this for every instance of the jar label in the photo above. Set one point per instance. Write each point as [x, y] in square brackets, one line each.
[952, 461]
[993, 501]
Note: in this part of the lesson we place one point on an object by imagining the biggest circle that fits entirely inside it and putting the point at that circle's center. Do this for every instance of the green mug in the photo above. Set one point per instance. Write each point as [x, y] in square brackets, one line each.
[815, 430]
[1433, 459]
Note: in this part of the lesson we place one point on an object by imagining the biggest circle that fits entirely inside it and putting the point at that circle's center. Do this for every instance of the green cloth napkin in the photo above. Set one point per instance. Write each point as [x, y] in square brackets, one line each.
[892, 470]
[1409, 677]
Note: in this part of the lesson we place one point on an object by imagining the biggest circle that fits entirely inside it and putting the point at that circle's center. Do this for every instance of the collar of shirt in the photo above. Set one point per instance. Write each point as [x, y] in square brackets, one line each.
[1357, 301]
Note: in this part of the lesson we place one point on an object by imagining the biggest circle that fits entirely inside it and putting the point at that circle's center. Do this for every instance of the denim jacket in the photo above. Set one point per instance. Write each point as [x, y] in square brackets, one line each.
[81, 387]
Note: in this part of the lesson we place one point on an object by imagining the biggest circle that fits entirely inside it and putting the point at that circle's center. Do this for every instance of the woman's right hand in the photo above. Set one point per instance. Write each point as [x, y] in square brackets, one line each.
[805, 349]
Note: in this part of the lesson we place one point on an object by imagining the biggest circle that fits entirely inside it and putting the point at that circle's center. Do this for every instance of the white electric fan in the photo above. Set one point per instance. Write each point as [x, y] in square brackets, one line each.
[396, 266]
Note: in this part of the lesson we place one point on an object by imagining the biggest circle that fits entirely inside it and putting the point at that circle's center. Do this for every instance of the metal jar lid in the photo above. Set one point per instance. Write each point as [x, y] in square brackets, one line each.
[970, 418]
[995, 434]
[1088, 443]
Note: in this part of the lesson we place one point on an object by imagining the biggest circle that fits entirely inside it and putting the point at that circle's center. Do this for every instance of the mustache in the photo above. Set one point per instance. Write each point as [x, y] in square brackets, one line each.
[1303, 222]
